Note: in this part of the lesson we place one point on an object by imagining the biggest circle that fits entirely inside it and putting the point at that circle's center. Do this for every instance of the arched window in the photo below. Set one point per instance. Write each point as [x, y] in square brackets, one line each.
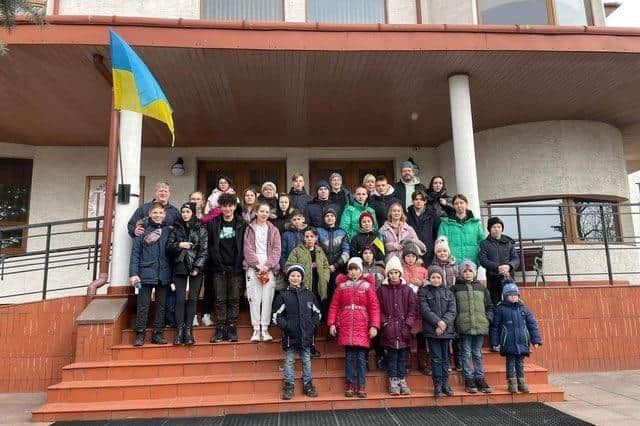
[535, 12]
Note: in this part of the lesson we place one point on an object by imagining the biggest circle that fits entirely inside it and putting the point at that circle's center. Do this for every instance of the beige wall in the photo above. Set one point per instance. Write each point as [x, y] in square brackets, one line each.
[150, 8]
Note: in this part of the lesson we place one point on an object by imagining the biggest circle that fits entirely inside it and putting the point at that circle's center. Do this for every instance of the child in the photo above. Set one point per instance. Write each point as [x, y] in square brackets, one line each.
[475, 312]
[212, 208]
[438, 309]
[367, 237]
[292, 236]
[415, 275]
[397, 315]
[297, 314]
[446, 261]
[354, 315]
[149, 268]
[283, 212]
[371, 266]
[514, 328]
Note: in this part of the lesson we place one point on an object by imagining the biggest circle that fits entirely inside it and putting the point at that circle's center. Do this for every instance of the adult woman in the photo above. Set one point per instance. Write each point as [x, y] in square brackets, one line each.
[223, 186]
[369, 182]
[269, 194]
[197, 198]
[245, 209]
[261, 263]
[206, 307]
[463, 231]
[396, 230]
[283, 213]
[351, 215]
[437, 198]
[188, 248]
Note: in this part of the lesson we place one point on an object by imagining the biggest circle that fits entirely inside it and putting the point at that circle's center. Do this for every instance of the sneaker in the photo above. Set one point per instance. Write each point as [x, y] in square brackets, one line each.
[255, 337]
[266, 337]
[446, 389]
[437, 392]
[140, 336]
[158, 338]
[404, 387]
[483, 386]
[361, 392]
[287, 391]
[206, 320]
[310, 390]
[394, 387]
[511, 387]
[195, 321]
[349, 391]
[470, 386]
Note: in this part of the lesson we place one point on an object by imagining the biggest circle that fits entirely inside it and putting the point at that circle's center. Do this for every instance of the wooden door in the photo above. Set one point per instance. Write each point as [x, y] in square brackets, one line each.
[352, 171]
[242, 173]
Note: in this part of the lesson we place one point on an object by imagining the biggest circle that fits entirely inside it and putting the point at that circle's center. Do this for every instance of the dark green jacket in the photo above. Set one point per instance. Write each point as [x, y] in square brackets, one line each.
[475, 310]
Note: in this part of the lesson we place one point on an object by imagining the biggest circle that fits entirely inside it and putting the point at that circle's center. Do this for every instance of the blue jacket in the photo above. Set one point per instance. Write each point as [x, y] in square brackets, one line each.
[150, 261]
[335, 243]
[296, 312]
[291, 238]
[514, 328]
[142, 214]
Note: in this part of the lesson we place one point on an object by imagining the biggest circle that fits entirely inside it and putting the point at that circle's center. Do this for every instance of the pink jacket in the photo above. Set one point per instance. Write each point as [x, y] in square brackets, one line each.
[413, 273]
[273, 247]
[354, 309]
[390, 239]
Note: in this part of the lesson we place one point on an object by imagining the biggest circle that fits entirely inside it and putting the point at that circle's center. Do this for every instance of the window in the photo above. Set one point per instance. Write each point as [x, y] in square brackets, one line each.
[15, 188]
[535, 12]
[539, 220]
[591, 221]
[251, 10]
[573, 12]
[346, 11]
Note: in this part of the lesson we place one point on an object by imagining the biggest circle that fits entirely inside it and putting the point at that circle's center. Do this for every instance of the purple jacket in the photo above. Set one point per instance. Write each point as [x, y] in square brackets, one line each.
[398, 311]
[273, 247]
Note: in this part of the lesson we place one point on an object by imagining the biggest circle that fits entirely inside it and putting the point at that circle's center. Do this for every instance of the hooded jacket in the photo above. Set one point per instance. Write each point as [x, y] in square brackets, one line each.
[350, 220]
[299, 199]
[381, 203]
[281, 219]
[413, 273]
[315, 210]
[475, 309]
[464, 236]
[426, 227]
[405, 233]
[433, 203]
[142, 214]
[495, 252]
[368, 239]
[514, 328]
[273, 247]
[343, 198]
[437, 303]
[401, 190]
[335, 243]
[150, 261]
[291, 238]
[215, 260]
[450, 268]
[354, 309]
[297, 314]
[302, 255]
[397, 314]
[186, 261]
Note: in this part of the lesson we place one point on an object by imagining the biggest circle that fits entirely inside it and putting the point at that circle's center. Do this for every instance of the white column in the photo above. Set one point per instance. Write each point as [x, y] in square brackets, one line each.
[128, 173]
[463, 145]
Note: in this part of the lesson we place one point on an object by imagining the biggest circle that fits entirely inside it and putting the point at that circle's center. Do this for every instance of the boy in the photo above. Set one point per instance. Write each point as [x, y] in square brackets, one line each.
[296, 312]
[292, 236]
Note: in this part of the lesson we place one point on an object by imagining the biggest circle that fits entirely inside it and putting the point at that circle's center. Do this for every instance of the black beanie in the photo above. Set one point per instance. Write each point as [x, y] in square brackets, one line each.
[492, 221]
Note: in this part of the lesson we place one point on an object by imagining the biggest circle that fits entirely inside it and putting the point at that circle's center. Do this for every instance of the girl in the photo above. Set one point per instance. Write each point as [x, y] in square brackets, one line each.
[245, 209]
[397, 315]
[463, 230]
[438, 309]
[372, 267]
[437, 198]
[283, 213]
[223, 186]
[367, 237]
[396, 231]
[188, 248]
[354, 316]
[197, 197]
[447, 262]
[415, 275]
[261, 262]
[350, 216]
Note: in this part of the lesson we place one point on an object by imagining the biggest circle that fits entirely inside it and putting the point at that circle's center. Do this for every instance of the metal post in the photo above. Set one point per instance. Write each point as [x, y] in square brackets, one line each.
[522, 266]
[564, 246]
[46, 263]
[606, 244]
[95, 250]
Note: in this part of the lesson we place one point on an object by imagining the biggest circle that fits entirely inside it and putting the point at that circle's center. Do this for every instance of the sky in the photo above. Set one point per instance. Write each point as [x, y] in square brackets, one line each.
[627, 15]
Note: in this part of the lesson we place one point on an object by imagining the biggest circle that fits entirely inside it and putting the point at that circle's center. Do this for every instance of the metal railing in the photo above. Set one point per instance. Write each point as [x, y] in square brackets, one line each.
[14, 261]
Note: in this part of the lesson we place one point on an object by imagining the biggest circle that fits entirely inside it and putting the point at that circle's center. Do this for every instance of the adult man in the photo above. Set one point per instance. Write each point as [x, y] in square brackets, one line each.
[226, 236]
[314, 211]
[424, 222]
[408, 183]
[382, 198]
[498, 256]
[162, 195]
[297, 193]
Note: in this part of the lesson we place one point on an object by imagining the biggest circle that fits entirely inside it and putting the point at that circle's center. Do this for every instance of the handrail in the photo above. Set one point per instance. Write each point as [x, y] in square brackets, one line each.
[54, 223]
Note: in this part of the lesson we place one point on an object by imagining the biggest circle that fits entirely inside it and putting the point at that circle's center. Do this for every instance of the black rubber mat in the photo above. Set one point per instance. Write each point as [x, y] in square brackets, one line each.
[531, 414]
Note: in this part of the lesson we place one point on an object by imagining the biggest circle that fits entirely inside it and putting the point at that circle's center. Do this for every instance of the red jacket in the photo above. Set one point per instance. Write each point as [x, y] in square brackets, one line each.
[354, 309]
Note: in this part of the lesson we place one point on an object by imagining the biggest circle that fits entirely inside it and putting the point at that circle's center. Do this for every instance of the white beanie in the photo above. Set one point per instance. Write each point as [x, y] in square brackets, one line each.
[394, 264]
[355, 261]
[269, 183]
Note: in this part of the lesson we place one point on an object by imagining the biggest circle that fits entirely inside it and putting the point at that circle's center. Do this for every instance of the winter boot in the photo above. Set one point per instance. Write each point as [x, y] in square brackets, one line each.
[394, 388]
[470, 386]
[158, 338]
[446, 389]
[220, 334]
[511, 387]
[404, 387]
[140, 336]
[423, 363]
[287, 391]
[309, 389]
[179, 339]
[437, 391]
[522, 385]
[232, 333]
[361, 392]
[188, 336]
[348, 390]
[483, 386]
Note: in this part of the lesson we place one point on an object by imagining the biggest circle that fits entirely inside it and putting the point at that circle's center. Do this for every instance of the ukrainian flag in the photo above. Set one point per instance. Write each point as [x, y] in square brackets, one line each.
[134, 87]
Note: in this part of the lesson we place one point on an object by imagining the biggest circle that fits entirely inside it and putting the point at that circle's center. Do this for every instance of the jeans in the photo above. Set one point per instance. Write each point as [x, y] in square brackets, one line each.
[289, 362]
[472, 352]
[170, 308]
[515, 366]
[143, 300]
[227, 287]
[182, 303]
[396, 362]
[355, 365]
[439, 354]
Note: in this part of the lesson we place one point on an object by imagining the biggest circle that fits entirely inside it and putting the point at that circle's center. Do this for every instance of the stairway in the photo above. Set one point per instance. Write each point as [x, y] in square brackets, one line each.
[244, 377]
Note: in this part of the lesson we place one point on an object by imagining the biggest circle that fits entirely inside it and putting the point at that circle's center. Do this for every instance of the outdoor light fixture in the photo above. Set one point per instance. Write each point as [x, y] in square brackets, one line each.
[177, 168]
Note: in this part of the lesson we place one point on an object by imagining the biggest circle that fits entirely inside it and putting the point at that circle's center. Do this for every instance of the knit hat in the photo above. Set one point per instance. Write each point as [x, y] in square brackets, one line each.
[269, 183]
[467, 264]
[492, 221]
[330, 210]
[295, 267]
[190, 206]
[365, 214]
[355, 261]
[322, 184]
[335, 174]
[409, 247]
[509, 288]
[406, 165]
[435, 269]
[393, 264]
[441, 242]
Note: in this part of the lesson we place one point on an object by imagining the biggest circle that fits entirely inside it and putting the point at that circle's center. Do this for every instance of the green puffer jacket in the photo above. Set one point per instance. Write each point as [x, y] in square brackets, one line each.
[464, 236]
[475, 310]
[302, 255]
[350, 220]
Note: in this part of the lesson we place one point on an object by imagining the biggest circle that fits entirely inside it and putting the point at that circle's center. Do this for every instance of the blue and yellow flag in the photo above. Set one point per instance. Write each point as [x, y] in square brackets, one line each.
[134, 87]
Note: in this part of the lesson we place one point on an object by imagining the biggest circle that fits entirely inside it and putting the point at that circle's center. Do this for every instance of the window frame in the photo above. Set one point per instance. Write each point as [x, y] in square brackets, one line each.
[386, 16]
[22, 248]
[551, 13]
[282, 18]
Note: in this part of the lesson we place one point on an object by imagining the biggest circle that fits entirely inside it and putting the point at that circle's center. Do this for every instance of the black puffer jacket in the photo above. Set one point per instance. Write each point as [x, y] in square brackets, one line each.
[433, 203]
[215, 260]
[150, 261]
[496, 252]
[296, 312]
[315, 210]
[426, 226]
[299, 199]
[186, 261]
[381, 203]
[400, 191]
[437, 303]
[368, 239]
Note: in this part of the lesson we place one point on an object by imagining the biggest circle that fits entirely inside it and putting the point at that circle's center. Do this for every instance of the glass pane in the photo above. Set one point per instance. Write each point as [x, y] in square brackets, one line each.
[573, 12]
[346, 11]
[540, 220]
[14, 203]
[590, 224]
[10, 239]
[252, 10]
[524, 12]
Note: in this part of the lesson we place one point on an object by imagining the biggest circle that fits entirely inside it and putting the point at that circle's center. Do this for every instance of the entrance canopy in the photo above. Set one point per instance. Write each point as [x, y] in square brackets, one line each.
[284, 84]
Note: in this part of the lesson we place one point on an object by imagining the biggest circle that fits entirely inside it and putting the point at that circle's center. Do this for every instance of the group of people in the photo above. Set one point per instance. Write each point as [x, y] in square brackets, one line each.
[384, 266]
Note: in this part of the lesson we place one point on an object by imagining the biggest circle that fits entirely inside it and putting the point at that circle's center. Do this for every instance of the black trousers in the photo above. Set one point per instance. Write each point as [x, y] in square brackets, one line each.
[494, 285]
[208, 299]
[186, 307]
[143, 300]
[227, 286]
